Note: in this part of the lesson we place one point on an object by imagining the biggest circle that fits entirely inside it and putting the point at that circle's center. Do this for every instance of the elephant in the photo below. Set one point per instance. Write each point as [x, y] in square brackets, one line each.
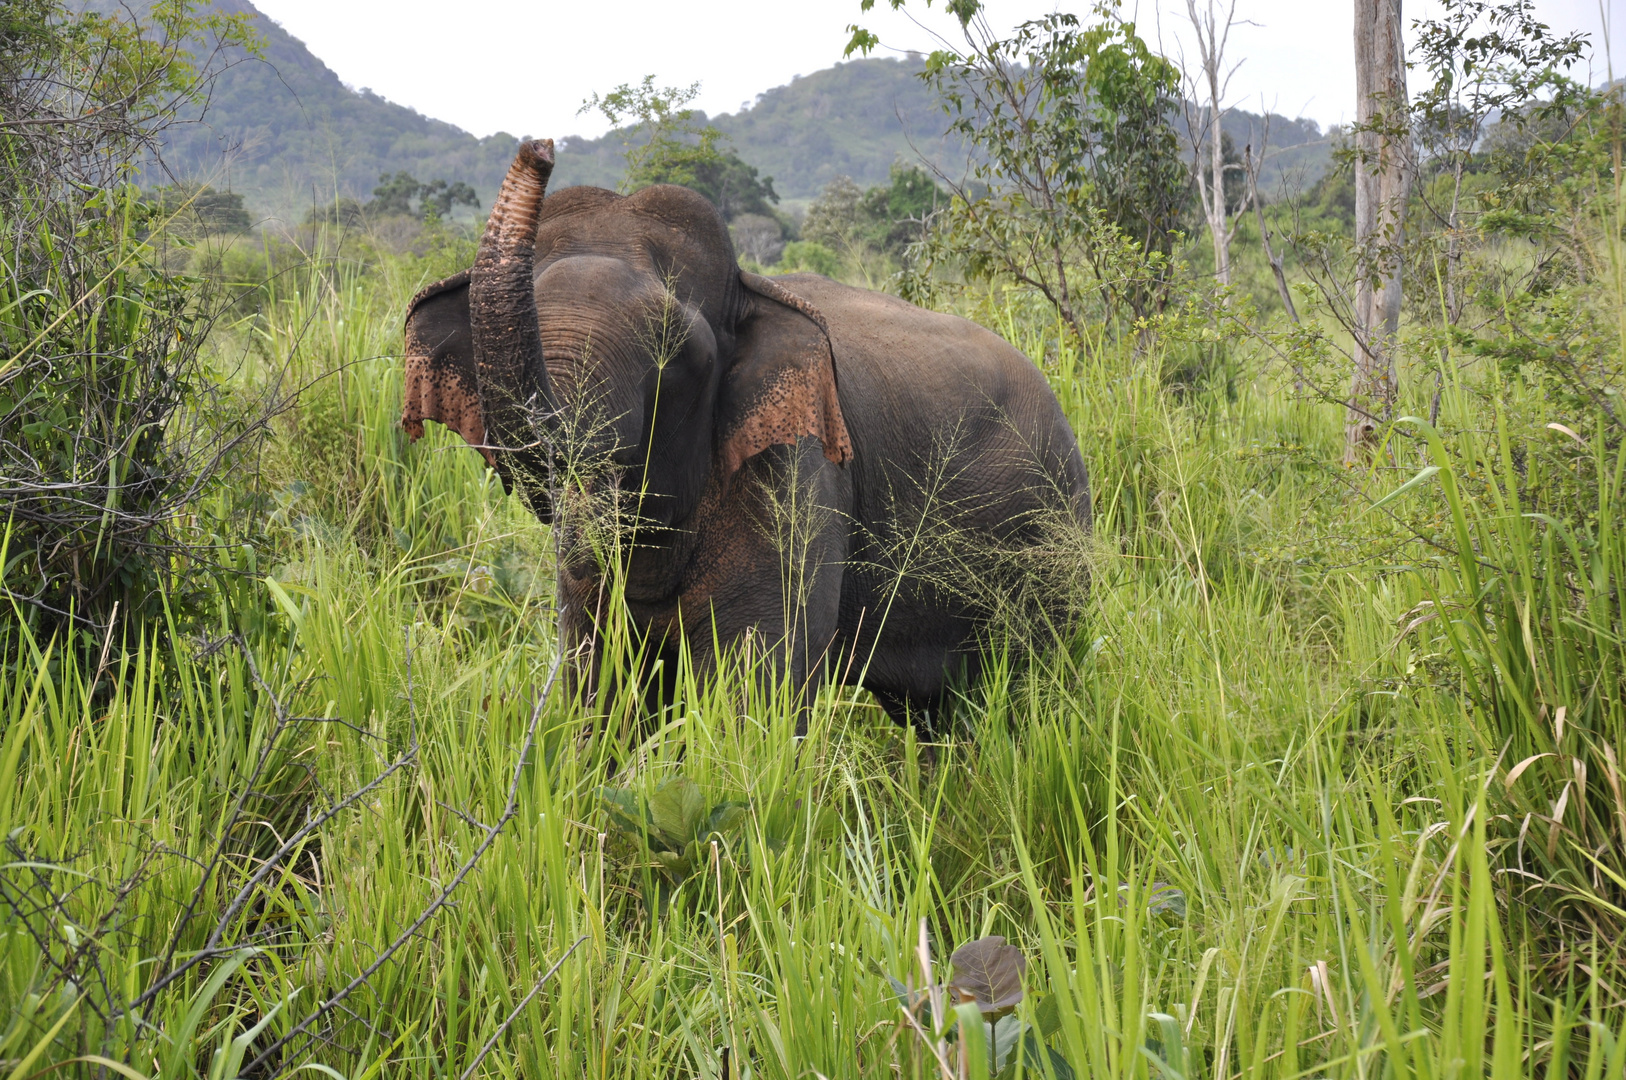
[833, 477]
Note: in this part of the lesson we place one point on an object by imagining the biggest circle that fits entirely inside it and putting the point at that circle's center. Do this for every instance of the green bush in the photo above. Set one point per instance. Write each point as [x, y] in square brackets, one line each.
[808, 256]
[114, 427]
[198, 210]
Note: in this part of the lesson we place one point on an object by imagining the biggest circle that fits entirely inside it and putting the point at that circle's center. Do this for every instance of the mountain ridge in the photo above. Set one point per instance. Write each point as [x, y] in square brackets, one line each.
[287, 133]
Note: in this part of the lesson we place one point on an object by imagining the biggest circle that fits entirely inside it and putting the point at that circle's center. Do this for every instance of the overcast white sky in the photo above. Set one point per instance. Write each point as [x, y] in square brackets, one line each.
[525, 66]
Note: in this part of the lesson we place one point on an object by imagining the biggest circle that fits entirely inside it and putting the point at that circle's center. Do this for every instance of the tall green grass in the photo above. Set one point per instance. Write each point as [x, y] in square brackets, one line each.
[1256, 822]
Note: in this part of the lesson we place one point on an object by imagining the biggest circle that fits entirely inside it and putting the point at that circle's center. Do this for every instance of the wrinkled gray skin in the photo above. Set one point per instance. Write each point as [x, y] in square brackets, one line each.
[809, 455]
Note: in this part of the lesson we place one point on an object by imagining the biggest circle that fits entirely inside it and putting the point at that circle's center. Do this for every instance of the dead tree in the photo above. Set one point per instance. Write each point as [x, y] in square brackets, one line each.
[1251, 164]
[1212, 35]
[1383, 177]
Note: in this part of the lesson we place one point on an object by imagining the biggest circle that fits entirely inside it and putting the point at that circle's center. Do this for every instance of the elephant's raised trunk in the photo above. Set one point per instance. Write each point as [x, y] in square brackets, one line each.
[502, 307]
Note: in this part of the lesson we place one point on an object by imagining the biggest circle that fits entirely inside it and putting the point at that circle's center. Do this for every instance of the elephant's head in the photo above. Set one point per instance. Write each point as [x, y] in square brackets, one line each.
[621, 325]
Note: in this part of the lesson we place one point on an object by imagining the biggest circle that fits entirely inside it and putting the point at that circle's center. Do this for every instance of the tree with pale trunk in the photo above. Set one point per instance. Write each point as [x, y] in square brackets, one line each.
[1383, 171]
[1204, 131]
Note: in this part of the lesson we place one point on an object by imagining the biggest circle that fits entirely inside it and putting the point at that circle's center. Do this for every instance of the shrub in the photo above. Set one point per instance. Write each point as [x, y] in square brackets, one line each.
[808, 256]
[113, 427]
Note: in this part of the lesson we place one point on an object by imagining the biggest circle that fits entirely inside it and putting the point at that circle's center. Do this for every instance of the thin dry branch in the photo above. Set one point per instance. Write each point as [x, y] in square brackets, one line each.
[508, 1021]
[1251, 166]
[302, 1029]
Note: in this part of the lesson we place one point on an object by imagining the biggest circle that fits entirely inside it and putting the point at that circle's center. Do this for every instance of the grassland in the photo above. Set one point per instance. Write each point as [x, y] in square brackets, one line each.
[1320, 788]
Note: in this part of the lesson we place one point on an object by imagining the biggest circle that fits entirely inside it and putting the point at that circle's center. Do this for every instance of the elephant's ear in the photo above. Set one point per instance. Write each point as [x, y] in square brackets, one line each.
[782, 382]
[441, 383]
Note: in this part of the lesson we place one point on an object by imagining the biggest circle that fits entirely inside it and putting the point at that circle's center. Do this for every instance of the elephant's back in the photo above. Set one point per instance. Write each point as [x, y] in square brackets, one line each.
[908, 343]
[924, 392]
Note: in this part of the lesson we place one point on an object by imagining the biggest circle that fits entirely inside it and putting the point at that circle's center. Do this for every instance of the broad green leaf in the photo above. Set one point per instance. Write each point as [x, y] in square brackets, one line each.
[676, 810]
[1047, 1017]
[1166, 900]
[1058, 1064]
[1032, 1058]
[1005, 1034]
[622, 808]
[726, 818]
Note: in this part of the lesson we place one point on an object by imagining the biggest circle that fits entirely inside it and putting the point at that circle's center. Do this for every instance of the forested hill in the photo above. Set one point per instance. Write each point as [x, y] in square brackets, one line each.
[286, 133]
[855, 118]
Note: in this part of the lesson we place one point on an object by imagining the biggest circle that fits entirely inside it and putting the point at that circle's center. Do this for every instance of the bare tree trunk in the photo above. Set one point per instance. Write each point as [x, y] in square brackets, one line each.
[1382, 187]
[1211, 39]
[1217, 213]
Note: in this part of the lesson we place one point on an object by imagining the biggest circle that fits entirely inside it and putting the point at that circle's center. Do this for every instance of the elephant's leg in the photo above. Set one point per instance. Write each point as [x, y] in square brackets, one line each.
[899, 709]
[619, 662]
[770, 568]
[610, 648]
[583, 606]
[905, 646]
[930, 714]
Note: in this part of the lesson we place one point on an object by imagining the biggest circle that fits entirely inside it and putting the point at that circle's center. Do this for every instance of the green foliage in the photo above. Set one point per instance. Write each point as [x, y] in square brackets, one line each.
[675, 830]
[396, 194]
[199, 209]
[114, 425]
[835, 218]
[869, 233]
[397, 197]
[663, 138]
[1076, 164]
[139, 66]
[1107, 100]
[1489, 63]
[886, 219]
[1485, 57]
[1332, 199]
[732, 186]
[1500, 243]
[342, 211]
[809, 256]
[665, 142]
[902, 207]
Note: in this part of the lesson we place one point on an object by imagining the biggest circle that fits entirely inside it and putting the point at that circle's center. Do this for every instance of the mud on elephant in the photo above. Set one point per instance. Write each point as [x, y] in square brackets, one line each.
[852, 485]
